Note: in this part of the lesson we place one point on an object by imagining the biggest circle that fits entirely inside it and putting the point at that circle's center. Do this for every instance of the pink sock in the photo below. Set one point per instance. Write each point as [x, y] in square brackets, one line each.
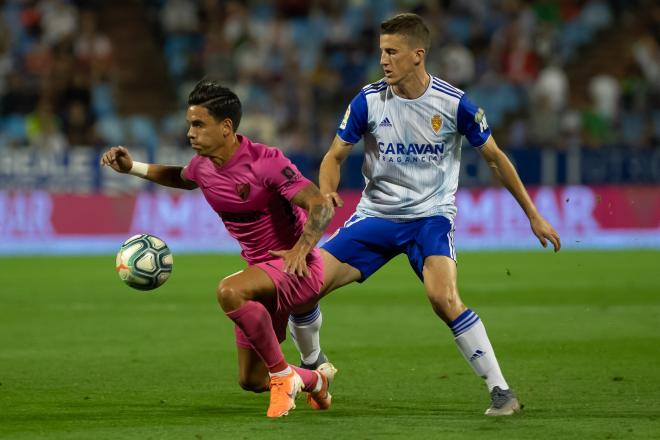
[254, 320]
[308, 377]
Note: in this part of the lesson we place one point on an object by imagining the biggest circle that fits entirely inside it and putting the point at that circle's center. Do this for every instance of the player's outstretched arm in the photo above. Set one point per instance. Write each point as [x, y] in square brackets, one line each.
[504, 170]
[120, 160]
[319, 213]
[330, 169]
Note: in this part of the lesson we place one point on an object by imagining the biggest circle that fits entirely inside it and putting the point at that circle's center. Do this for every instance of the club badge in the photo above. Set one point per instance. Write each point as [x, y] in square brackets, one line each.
[436, 123]
[243, 190]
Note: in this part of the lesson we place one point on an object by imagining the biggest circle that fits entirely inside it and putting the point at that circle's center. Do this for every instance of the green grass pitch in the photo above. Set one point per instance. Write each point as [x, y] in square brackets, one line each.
[577, 334]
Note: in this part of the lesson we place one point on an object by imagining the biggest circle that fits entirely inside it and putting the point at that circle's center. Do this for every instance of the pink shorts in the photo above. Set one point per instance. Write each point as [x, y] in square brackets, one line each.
[292, 293]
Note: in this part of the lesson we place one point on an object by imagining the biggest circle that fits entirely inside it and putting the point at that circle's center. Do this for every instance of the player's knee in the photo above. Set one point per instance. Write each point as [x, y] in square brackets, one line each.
[229, 296]
[446, 302]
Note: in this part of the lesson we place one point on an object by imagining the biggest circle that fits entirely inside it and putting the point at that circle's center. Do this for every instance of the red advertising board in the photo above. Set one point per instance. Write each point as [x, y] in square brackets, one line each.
[586, 217]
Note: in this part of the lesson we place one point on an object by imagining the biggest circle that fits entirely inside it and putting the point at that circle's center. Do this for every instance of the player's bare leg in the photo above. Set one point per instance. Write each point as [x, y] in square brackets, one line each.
[244, 296]
[252, 372]
[336, 274]
[469, 332]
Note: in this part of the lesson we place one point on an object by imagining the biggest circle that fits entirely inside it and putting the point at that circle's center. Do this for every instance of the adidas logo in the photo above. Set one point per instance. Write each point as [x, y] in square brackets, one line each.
[385, 122]
[477, 354]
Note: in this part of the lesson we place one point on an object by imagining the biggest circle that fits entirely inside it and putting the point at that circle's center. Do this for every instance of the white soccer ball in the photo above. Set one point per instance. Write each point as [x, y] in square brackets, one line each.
[144, 262]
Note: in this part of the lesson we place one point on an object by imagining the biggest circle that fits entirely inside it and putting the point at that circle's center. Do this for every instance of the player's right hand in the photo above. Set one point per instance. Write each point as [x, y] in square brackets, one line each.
[118, 159]
[337, 202]
[545, 232]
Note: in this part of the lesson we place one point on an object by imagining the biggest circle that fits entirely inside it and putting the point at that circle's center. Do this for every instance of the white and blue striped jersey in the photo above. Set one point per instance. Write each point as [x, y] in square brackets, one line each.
[412, 170]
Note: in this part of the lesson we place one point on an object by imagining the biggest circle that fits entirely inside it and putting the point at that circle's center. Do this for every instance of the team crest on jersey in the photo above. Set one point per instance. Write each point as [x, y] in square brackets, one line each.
[243, 190]
[436, 123]
[288, 173]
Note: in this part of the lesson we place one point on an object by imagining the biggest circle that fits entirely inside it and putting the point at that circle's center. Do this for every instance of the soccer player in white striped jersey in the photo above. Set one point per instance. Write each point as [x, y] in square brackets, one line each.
[411, 174]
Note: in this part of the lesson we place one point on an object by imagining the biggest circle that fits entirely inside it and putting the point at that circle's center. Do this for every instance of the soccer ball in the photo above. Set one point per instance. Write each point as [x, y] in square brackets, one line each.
[144, 262]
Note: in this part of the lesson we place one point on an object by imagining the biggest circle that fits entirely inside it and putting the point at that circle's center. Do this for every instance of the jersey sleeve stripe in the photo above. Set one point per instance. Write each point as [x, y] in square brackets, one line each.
[374, 86]
[371, 92]
[446, 92]
[440, 82]
[448, 89]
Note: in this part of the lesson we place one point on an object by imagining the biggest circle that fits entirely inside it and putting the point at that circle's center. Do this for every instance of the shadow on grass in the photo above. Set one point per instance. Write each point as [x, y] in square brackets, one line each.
[173, 413]
[115, 411]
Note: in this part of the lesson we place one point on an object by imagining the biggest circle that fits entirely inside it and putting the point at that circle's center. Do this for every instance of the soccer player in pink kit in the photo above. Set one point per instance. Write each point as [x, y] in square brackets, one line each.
[277, 216]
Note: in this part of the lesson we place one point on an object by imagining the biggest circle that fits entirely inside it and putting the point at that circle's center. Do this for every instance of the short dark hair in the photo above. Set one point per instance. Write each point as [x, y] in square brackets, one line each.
[411, 26]
[218, 100]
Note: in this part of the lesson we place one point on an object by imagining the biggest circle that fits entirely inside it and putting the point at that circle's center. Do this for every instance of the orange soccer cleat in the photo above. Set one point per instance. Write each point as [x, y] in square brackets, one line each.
[283, 390]
[322, 399]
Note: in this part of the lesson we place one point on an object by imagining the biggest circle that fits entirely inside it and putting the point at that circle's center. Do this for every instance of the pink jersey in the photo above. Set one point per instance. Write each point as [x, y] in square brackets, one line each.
[252, 194]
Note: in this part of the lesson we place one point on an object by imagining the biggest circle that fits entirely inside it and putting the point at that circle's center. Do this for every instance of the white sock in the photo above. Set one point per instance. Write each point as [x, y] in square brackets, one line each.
[473, 342]
[282, 373]
[305, 331]
[319, 383]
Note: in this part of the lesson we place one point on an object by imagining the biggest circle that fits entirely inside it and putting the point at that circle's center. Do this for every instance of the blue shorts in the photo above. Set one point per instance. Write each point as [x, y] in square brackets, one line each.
[367, 243]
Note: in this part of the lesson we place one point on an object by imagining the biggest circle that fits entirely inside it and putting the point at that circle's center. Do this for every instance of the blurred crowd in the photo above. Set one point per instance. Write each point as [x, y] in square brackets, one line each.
[296, 64]
[55, 73]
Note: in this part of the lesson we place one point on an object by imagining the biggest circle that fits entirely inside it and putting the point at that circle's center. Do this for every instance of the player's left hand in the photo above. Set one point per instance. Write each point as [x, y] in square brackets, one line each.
[295, 261]
[336, 200]
[544, 232]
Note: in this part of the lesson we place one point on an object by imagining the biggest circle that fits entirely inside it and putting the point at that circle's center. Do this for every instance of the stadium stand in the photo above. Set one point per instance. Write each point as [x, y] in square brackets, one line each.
[95, 73]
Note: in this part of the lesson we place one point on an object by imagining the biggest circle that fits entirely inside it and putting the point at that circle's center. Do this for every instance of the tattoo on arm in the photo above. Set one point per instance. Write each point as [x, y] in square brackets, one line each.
[319, 218]
[320, 213]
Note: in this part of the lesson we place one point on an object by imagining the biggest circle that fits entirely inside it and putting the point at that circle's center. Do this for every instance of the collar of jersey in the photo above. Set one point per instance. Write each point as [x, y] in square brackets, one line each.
[243, 141]
[420, 96]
